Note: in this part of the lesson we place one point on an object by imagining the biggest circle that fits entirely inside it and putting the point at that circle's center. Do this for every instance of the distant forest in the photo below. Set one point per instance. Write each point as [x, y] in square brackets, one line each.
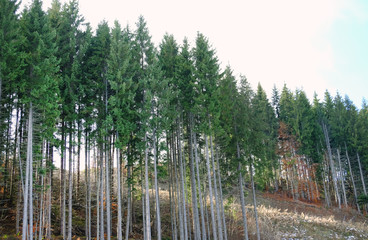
[150, 120]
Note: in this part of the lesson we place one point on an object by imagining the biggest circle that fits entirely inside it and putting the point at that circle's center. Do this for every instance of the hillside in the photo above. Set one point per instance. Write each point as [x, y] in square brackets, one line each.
[279, 217]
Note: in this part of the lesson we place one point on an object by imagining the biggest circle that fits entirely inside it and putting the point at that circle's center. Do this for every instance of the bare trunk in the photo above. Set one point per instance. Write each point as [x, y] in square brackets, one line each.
[221, 198]
[342, 179]
[352, 181]
[129, 205]
[327, 195]
[196, 224]
[62, 180]
[147, 205]
[50, 158]
[362, 175]
[219, 223]
[199, 188]
[332, 165]
[97, 180]
[70, 214]
[242, 201]
[254, 199]
[158, 217]
[107, 195]
[119, 228]
[178, 197]
[27, 202]
[213, 218]
[101, 202]
[182, 182]
[86, 172]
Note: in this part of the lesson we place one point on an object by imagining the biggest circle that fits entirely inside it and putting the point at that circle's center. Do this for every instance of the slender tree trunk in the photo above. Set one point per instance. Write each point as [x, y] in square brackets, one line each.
[342, 179]
[41, 209]
[213, 218]
[326, 189]
[221, 198]
[178, 197]
[352, 180]
[20, 181]
[332, 165]
[254, 200]
[107, 195]
[363, 183]
[219, 222]
[129, 204]
[87, 220]
[158, 217]
[102, 235]
[89, 188]
[182, 182]
[79, 132]
[62, 179]
[12, 172]
[362, 175]
[118, 163]
[196, 224]
[70, 214]
[171, 188]
[148, 212]
[204, 235]
[242, 201]
[27, 202]
[50, 158]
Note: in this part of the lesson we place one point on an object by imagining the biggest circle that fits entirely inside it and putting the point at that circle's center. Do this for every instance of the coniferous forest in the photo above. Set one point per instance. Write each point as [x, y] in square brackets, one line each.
[105, 135]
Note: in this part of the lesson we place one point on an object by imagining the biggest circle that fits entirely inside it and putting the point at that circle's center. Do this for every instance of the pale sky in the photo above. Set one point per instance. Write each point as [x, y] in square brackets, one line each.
[312, 45]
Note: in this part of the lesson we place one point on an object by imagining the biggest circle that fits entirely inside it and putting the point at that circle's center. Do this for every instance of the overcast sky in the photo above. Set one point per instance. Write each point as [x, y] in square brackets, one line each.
[312, 45]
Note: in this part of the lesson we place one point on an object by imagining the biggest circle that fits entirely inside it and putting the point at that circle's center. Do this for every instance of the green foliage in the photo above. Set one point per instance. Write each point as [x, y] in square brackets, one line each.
[362, 199]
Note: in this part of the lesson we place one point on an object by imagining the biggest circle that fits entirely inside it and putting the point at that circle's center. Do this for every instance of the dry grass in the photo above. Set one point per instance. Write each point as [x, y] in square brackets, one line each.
[287, 220]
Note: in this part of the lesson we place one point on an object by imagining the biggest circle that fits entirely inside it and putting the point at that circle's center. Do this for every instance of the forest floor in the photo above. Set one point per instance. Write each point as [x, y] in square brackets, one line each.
[279, 218]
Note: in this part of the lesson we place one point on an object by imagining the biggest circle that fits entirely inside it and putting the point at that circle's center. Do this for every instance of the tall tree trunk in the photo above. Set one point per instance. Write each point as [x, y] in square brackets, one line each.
[332, 165]
[177, 187]
[342, 179]
[13, 168]
[352, 180]
[363, 183]
[41, 208]
[158, 217]
[50, 158]
[86, 171]
[27, 202]
[70, 214]
[199, 188]
[182, 184]
[20, 181]
[128, 204]
[118, 163]
[148, 212]
[196, 224]
[101, 202]
[219, 222]
[107, 195]
[221, 198]
[213, 218]
[62, 179]
[242, 201]
[254, 199]
[362, 175]
[171, 188]
[325, 186]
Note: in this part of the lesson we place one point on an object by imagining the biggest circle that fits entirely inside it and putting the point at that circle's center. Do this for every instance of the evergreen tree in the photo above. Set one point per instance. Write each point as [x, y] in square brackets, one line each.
[40, 95]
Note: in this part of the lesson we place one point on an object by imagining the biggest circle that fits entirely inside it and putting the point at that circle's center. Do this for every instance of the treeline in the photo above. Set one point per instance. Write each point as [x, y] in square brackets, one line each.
[143, 119]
